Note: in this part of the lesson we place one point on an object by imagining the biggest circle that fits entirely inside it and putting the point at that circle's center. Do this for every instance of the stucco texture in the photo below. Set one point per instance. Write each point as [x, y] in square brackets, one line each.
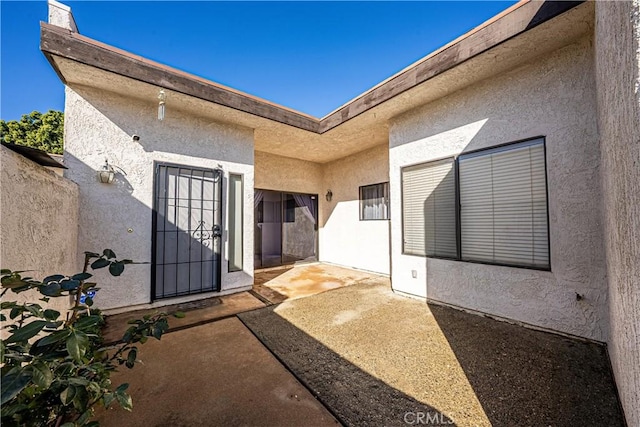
[38, 223]
[617, 42]
[344, 238]
[552, 96]
[286, 174]
[101, 125]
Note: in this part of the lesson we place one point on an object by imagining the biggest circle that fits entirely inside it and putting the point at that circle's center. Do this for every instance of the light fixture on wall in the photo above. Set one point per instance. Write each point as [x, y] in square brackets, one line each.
[162, 97]
[107, 173]
[329, 195]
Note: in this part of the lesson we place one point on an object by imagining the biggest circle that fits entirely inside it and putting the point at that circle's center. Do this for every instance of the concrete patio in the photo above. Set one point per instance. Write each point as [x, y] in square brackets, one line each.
[361, 355]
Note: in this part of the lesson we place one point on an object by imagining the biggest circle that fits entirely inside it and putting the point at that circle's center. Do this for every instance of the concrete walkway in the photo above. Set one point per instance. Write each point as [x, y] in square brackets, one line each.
[373, 357]
[217, 374]
[377, 358]
[198, 313]
[279, 284]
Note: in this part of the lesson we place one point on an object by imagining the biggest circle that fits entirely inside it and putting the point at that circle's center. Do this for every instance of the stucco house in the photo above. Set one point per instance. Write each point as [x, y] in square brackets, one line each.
[498, 174]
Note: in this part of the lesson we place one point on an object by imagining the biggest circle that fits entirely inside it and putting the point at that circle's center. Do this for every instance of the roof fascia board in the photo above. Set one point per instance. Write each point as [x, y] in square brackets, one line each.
[523, 16]
[56, 41]
[512, 22]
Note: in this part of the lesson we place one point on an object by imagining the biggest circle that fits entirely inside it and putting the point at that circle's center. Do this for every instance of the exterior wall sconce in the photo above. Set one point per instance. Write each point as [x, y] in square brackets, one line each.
[162, 97]
[106, 174]
[329, 195]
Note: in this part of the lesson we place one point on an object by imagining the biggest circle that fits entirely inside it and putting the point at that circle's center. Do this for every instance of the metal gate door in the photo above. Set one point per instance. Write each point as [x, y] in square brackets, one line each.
[187, 230]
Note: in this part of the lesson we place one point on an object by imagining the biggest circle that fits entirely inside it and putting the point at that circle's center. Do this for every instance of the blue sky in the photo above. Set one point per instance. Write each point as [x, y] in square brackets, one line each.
[310, 56]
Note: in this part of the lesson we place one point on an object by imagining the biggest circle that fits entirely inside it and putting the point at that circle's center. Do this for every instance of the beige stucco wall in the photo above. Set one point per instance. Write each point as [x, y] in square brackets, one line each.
[617, 47]
[344, 239]
[38, 223]
[553, 96]
[287, 174]
[100, 125]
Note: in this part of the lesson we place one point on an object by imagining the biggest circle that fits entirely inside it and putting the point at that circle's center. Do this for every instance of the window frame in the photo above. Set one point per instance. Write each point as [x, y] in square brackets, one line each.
[387, 202]
[242, 191]
[456, 167]
[454, 162]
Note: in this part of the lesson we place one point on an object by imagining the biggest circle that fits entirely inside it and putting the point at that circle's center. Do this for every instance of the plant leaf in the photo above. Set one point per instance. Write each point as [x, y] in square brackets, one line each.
[50, 314]
[68, 394]
[108, 398]
[13, 281]
[42, 375]
[81, 276]
[28, 331]
[13, 383]
[69, 285]
[88, 321]
[109, 253]
[77, 344]
[116, 268]
[82, 420]
[51, 290]
[81, 399]
[124, 400]
[15, 312]
[100, 263]
[53, 338]
[131, 358]
[179, 314]
[53, 278]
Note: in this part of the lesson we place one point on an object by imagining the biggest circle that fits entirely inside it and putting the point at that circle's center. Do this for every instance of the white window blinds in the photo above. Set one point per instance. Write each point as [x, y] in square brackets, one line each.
[503, 205]
[429, 209]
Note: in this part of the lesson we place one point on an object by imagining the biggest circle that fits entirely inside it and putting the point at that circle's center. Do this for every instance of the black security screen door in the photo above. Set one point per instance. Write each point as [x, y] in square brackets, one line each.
[186, 230]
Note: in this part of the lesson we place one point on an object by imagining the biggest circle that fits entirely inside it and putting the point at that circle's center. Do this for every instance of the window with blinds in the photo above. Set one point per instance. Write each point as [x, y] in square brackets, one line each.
[503, 205]
[374, 201]
[429, 209]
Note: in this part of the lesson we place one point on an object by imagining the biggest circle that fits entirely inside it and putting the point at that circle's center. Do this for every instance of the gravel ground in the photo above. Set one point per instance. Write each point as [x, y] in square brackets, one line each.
[375, 358]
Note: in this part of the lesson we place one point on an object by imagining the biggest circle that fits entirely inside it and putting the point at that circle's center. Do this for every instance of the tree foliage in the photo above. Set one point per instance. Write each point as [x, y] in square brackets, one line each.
[42, 131]
[54, 371]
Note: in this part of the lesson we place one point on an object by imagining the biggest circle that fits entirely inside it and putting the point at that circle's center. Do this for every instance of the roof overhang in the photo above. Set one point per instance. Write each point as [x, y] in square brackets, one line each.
[521, 33]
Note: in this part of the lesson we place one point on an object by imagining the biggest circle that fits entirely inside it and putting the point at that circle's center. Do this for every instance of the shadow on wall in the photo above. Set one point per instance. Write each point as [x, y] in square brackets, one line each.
[188, 256]
[527, 102]
[535, 379]
[180, 133]
[355, 397]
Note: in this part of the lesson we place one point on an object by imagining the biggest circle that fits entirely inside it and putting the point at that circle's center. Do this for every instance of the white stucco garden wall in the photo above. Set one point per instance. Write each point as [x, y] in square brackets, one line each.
[617, 46]
[38, 223]
[100, 125]
[344, 239]
[553, 96]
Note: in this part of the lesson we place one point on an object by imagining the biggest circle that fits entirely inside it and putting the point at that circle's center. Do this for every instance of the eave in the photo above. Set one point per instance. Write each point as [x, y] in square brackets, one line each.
[520, 33]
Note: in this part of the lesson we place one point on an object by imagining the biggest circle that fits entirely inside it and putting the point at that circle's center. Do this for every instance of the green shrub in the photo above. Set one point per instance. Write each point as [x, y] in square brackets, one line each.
[55, 371]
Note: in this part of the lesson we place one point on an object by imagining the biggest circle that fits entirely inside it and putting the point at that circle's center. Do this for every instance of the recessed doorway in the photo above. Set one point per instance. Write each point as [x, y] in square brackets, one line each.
[286, 229]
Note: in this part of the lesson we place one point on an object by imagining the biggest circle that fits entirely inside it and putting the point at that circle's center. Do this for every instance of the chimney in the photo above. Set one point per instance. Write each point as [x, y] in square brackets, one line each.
[60, 15]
